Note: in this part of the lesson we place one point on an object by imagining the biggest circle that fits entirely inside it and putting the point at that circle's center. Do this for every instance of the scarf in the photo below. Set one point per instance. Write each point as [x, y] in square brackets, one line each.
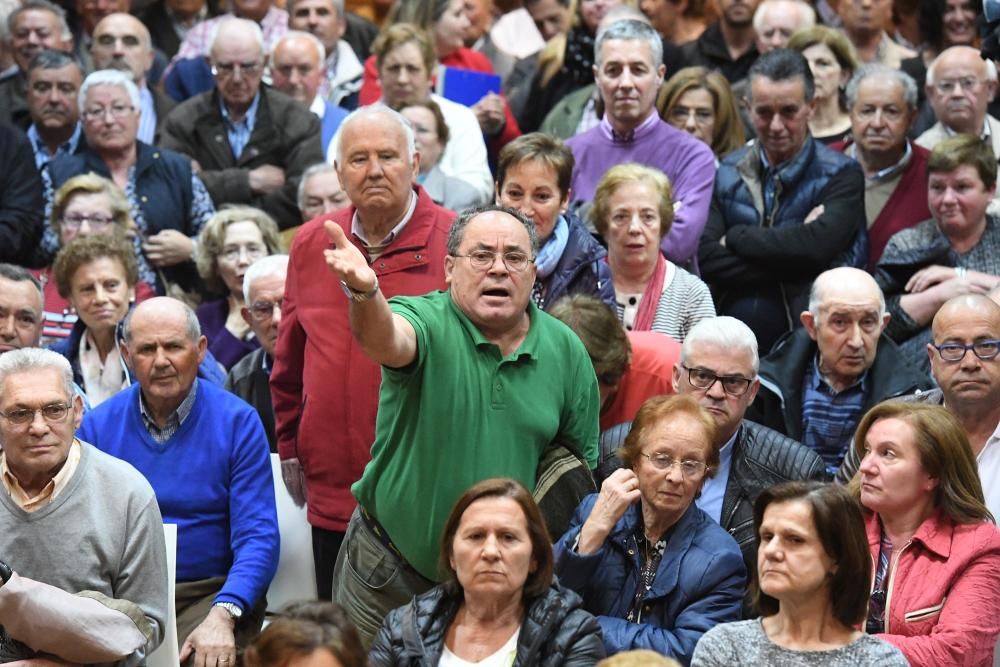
[651, 296]
[547, 259]
[578, 60]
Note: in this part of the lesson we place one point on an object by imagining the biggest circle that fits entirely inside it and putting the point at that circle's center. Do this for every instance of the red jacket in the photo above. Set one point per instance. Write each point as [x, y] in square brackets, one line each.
[943, 595]
[323, 386]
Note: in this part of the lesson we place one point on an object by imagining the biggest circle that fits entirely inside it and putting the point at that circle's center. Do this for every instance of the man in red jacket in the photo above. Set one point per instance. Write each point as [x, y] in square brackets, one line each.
[324, 388]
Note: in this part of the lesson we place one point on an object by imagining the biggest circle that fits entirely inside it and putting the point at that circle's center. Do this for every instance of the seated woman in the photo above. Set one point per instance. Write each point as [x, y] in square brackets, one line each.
[431, 134]
[936, 590]
[832, 61]
[85, 204]
[533, 176]
[307, 634]
[811, 588]
[233, 239]
[656, 570]
[500, 604]
[701, 102]
[633, 209]
[97, 274]
[956, 252]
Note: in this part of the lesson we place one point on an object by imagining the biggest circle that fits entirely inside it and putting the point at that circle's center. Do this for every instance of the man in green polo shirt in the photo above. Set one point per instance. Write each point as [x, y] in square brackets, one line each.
[476, 383]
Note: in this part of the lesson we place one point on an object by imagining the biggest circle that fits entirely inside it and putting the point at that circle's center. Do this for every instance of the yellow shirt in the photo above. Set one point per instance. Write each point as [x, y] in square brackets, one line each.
[50, 491]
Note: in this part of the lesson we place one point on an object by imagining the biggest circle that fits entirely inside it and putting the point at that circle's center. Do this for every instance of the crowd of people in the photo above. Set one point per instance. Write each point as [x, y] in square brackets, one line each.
[586, 332]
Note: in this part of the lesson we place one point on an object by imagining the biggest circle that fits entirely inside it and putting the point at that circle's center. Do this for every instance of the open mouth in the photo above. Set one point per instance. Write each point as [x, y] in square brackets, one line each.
[496, 293]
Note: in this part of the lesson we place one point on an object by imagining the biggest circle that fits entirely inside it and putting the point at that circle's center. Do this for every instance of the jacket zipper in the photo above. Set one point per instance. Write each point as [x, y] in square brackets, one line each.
[892, 581]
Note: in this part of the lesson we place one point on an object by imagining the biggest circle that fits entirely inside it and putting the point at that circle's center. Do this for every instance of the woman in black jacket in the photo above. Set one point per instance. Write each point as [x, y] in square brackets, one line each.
[499, 601]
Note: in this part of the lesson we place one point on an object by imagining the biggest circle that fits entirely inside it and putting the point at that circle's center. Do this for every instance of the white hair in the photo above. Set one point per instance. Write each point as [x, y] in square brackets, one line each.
[991, 68]
[806, 14]
[109, 77]
[378, 110]
[28, 359]
[300, 34]
[265, 267]
[314, 170]
[232, 23]
[725, 332]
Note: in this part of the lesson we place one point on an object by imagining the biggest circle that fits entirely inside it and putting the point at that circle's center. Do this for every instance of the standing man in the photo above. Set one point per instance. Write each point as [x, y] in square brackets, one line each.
[54, 80]
[205, 453]
[476, 381]
[251, 142]
[864, 25]
[320, 375]
[727, 45]
[342, 70]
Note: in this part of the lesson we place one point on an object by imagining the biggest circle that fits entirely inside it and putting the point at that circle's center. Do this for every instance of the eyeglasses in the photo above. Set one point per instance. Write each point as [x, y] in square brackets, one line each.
[228, 69]
[117, 111]
[967, 83]
[483, 260]
[666, 462]
[74, 222]
[253, 252]
[682, 114]
[734, 385]
[954, 352]
[53, 413]
[263, 311]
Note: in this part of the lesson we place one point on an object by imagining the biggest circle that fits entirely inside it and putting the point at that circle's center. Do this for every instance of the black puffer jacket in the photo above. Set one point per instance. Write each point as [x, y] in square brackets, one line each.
[556, 632]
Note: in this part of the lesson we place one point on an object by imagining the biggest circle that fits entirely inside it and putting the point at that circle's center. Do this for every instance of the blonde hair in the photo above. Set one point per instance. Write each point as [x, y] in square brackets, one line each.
[213, 237]
[631, 172]
[728, 134]
[90, 183]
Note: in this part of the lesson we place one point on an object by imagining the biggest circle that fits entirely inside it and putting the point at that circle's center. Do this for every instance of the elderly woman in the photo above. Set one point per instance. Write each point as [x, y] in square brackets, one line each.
[168, 201]
[233, 239]
[832, 62]
[956, 252]
[500, 604]
[533, 176]
[701, 102]
[936, 589]
[813, 569]
[431, 134]
[653, 567]
[97, 274]
[633, 209]
[307, 634]
[86, 204]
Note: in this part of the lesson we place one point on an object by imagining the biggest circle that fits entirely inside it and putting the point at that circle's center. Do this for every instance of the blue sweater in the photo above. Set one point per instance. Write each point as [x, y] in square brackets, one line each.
[212, 478]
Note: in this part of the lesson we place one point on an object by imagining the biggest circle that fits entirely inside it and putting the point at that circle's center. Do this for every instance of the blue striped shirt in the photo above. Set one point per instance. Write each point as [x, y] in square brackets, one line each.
[239, 131]
[830, 417]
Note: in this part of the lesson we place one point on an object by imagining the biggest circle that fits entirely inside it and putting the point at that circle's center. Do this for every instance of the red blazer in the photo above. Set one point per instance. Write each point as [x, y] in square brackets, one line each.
[323, 386]
[943, 597]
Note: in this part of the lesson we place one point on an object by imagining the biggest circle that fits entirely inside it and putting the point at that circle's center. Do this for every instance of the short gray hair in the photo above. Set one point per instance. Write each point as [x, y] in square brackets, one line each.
[192, 324]
[40, 5]
[272, 265]
[232, 23]
[337, 4]
[314, 170]
[300, 34]
[377, 110]
[807, 15]
[109, 77]
[29, 359]
[723, 331]
[457, 231]
[872, 70]
[630, 30]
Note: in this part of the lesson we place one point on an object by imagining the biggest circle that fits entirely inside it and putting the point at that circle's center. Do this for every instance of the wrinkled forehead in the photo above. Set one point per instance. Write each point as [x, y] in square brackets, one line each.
[721, 360]
[496, 230]
[20, 295]
[967, 323]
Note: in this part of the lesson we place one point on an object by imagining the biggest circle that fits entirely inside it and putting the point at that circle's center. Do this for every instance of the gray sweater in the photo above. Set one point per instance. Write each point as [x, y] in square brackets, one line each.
[745, 643]
[102, 534]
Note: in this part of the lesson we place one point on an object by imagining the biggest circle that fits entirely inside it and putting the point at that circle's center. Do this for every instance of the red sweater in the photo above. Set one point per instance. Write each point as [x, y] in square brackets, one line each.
[649, 374]
[323, 386]
[943, 595]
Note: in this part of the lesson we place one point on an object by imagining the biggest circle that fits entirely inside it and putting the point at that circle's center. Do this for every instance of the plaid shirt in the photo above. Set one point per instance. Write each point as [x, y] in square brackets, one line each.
[174, 421]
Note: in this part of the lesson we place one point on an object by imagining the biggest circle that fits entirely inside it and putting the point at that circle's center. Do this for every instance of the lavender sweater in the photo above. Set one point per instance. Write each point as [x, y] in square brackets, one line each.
[688, 162]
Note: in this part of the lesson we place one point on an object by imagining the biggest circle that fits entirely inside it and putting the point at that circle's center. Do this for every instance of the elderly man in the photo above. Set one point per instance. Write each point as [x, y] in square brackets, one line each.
[263, 292]
[251, 142]
[84, 571]
[402, 232]
[629, 71]
[966, 369]
[32, 27]
[205, 453]
[120, 41]
[864, 24]
[342, 70]
[86, 15]
[775, 21]
[54, 79]
[819, 381]
[718, 366]
[319, 192]
[479, 359]
[883, 102]
[297, 71]
[21, 308]
[785, 207]
[728, 45]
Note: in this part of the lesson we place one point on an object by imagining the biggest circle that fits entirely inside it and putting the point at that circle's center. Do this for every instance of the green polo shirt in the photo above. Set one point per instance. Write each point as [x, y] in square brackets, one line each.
[462, 413]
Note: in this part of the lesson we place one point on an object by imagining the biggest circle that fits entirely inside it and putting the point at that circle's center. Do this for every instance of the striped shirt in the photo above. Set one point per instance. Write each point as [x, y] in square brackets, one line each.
[174, 421]
[829, 417]
[684, 301]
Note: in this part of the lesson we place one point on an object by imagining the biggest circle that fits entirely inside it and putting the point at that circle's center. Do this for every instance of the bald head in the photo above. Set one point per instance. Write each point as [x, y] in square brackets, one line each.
[122, 42]
[163, 309]
[845, 284]
[963, 356]
[966, 307]
[962, 108]
[297, 66]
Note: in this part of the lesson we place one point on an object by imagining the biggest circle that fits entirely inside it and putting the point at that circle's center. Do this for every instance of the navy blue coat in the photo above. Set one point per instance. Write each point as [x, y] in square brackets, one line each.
[581, 268]
[699, 584]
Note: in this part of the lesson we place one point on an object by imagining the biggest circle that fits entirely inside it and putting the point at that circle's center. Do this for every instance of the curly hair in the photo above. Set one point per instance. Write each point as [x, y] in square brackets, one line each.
[213, 237]
[86, 249]
[90, 183]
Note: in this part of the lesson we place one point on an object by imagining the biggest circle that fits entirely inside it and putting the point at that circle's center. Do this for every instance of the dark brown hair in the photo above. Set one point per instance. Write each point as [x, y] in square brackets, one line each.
[440, 124]
[601, 332]
[302, 628]
[538, 581]
[538, 147]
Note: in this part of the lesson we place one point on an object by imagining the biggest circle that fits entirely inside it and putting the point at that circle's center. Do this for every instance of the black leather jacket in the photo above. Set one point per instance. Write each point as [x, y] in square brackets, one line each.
[556, 631]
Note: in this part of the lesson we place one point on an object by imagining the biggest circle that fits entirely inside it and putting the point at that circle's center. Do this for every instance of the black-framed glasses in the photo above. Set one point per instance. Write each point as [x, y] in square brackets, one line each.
[666, 462]
[954, 352]
[483, 260]
[734, 385]
[52, 413]
[263, 311]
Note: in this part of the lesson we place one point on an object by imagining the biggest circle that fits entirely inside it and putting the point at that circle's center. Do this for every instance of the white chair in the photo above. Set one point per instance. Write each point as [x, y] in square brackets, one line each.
[167, 654]
[296, 575]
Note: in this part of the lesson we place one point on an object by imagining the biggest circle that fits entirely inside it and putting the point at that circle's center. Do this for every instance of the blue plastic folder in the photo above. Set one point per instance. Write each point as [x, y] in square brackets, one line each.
[465, 86]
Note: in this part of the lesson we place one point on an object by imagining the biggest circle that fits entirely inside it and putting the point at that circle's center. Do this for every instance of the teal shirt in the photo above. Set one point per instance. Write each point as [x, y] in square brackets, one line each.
[462, 413]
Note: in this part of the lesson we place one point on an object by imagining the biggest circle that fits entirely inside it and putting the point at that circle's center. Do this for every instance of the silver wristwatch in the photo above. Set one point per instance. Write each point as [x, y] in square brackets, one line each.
[231, 608]
[358, 296]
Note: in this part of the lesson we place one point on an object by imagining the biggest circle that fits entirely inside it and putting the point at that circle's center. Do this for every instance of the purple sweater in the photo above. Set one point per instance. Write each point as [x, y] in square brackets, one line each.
[688, 162]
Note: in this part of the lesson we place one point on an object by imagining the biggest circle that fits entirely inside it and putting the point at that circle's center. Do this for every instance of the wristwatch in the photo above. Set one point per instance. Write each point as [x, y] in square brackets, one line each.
[5, 573]
[358, 296]
[233, 609]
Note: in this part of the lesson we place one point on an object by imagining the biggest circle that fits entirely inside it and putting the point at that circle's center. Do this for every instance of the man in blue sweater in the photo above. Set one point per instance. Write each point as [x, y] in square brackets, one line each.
[205, 453]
